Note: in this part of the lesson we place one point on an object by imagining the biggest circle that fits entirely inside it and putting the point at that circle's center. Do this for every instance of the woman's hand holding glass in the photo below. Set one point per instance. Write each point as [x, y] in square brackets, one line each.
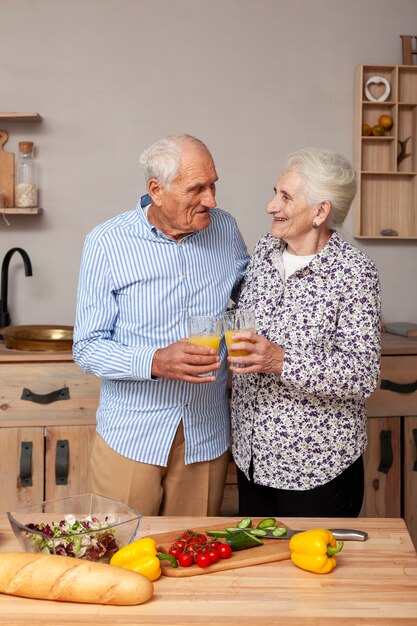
[249, 352]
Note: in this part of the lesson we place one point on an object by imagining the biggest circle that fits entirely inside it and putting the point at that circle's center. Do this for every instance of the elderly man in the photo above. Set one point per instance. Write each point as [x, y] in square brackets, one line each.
[163, 429]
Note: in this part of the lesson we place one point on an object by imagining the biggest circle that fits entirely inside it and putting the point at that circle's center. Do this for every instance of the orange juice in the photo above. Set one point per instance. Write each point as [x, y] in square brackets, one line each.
[210, 340]
[228, 337]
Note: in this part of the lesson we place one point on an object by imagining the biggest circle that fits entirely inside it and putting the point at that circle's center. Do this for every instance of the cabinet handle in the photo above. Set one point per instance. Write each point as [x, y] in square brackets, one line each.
[399, 387]
[415, 441]
[387, 455]
[61, 462]
[26, 463]
[46, 398]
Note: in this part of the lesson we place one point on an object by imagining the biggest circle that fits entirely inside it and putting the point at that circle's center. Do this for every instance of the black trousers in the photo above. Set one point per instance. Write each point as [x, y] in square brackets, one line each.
[341, 497]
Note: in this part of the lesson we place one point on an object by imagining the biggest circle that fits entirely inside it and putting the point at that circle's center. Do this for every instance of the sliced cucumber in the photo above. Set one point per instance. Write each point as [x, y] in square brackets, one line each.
[242, 540]
[268, 521]
[245, 523]
[216, 533]
[270, 528]
[279, 531]
[258, 532]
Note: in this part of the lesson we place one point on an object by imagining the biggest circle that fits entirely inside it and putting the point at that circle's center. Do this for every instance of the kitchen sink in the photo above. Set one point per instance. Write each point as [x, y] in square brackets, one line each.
[38, 337]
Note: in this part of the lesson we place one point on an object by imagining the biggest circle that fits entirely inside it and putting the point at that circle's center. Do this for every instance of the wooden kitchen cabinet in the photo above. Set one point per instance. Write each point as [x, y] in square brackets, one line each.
[391, 456]
[47, 426]
[383, 468]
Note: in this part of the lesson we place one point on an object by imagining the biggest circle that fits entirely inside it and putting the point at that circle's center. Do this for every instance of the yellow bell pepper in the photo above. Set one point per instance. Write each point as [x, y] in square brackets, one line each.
[314, 550]
[142, 556]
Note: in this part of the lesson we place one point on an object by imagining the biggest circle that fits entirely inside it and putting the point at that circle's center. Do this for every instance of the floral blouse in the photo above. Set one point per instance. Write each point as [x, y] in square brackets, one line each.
[305, 427]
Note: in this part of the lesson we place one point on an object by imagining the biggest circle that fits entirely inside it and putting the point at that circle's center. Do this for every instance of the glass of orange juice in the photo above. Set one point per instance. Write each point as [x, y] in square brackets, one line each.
[233, 321]
[205, 331]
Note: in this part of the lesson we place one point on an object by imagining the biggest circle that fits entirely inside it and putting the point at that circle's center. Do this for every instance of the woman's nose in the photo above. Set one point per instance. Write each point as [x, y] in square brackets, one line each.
[271, 207]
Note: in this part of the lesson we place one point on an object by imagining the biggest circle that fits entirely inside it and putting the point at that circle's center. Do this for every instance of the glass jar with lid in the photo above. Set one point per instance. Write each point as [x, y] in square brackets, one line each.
[26, 184]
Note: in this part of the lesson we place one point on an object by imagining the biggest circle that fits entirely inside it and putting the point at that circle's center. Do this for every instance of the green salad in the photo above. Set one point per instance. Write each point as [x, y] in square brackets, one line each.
[84, 538]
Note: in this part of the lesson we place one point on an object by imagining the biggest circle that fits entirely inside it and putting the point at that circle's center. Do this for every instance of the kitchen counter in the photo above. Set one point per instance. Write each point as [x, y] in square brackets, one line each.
[397, 344]
[8, 355]
[374, 583]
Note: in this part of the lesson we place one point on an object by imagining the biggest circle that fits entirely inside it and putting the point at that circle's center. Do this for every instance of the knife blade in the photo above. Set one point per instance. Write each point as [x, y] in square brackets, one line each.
[340, 534]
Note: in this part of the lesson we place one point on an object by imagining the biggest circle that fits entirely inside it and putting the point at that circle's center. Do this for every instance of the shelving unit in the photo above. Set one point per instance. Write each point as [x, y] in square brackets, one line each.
[16, 116]
[387, 187]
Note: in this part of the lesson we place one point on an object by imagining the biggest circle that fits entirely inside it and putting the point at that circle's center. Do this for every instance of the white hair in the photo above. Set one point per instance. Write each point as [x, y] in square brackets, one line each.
[162, 159]
[327, 176]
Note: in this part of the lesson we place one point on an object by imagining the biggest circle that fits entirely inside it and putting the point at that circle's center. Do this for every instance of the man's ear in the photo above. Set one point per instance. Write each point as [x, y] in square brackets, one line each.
[155, 191]
[322, 212]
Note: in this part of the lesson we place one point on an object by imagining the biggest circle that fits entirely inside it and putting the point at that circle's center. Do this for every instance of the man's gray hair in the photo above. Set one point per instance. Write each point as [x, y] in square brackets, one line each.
[327, 176]
[162, 159]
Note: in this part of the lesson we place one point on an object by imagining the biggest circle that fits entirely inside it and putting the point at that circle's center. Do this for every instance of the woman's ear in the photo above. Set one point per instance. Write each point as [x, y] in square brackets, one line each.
[322, 212]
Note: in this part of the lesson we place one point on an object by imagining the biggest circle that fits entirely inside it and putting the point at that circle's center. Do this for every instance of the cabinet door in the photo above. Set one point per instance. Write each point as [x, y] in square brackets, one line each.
[383, 468]
[67, 460]
[410, 476]
[21, 467]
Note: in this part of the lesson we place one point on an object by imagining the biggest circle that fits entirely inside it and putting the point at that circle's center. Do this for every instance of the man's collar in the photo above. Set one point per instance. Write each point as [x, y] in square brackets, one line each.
[145, 200]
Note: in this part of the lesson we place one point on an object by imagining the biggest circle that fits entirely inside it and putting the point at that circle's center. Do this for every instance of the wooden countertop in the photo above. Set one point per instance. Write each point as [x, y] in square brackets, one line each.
[397, 344]
[7, 355]
[374, 583]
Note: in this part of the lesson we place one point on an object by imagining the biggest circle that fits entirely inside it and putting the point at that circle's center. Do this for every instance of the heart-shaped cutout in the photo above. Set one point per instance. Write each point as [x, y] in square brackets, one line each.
[377, 89]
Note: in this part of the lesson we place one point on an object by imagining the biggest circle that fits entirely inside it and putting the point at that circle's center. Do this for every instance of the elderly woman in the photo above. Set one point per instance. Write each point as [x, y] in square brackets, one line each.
[298, 401]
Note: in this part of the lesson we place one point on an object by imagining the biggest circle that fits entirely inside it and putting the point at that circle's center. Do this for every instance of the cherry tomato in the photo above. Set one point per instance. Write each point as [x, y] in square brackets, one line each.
[175, 551]
[192, 552]
[203, 560]
[185, 559]
[214, 545]
[180, 545]
[187, 534]
[225, 551]
[214, 555]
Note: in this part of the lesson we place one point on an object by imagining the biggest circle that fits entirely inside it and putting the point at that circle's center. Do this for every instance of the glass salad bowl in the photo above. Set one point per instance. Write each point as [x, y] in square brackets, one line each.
[87, 526]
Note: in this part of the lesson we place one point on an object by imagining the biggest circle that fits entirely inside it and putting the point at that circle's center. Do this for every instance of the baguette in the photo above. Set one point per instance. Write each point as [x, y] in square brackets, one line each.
[52, 577]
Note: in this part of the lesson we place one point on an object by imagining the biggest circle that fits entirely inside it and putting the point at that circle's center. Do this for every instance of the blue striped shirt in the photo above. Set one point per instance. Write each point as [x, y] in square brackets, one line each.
[137, 289]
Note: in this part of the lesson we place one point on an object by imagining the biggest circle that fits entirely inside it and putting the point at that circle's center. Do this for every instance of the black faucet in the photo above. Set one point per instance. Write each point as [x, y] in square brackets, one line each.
[4, 314]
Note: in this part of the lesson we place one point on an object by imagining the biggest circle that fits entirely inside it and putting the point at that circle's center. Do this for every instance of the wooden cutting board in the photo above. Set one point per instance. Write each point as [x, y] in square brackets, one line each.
[271, 550]
[6, 170]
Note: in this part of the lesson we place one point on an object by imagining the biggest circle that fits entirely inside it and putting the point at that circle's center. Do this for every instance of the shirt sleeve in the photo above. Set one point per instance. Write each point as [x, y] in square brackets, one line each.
[350, 368]
[94, 349]
[241, 263]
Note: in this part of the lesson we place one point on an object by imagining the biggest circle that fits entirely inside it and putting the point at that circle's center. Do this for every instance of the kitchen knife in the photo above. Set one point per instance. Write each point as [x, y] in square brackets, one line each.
[341, 534]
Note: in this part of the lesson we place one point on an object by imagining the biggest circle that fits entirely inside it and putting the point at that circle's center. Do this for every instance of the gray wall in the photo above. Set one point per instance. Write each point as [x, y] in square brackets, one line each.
[254, 79]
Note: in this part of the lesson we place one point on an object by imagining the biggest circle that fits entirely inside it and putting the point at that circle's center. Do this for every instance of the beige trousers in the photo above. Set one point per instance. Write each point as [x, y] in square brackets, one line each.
[177, 489]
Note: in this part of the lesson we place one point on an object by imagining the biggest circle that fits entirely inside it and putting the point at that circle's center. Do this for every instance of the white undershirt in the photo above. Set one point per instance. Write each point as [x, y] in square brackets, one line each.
[294, 262]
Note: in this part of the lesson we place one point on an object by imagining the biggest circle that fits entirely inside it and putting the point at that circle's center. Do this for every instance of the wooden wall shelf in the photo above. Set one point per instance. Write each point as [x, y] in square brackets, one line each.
[387, 187]
[20, 117]
[18, 211]
[17, 116]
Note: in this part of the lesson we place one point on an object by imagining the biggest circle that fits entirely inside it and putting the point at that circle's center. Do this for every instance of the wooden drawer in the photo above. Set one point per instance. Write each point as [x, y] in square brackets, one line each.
[42, 393]
[400, 370]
